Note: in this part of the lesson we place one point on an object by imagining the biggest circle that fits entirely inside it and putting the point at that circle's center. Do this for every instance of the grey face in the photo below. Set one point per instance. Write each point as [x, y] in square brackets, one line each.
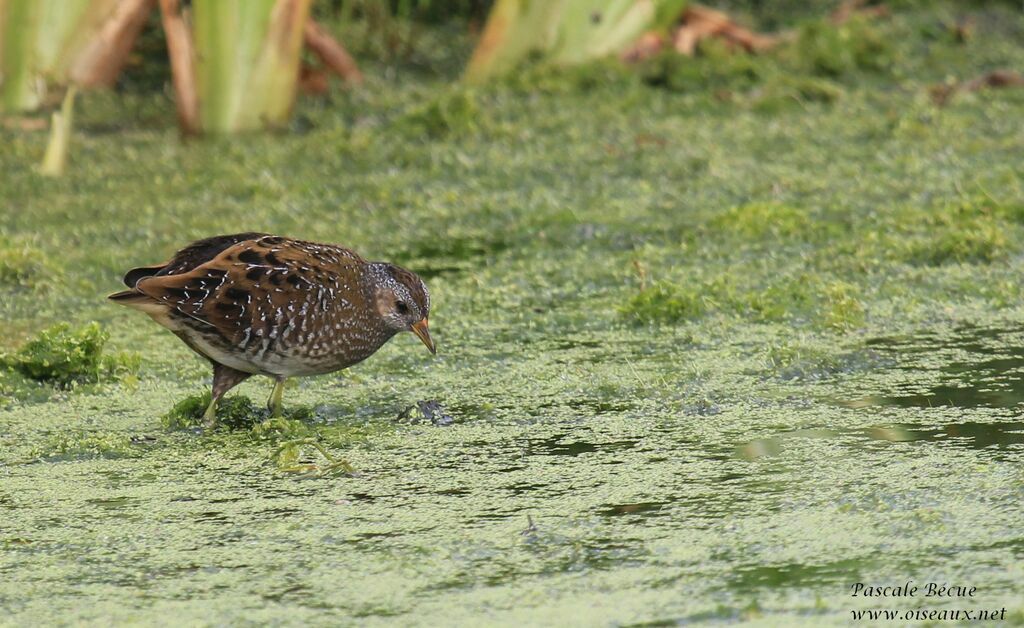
[400, 297]
[397, 306]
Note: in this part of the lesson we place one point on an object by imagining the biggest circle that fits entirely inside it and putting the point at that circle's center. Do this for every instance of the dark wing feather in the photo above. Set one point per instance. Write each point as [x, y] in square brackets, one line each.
[133, 276]
[202, 251]
[199, 252]
[247, 288]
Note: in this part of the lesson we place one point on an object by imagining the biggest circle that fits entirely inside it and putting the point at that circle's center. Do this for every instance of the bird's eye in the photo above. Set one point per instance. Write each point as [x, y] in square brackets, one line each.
[401, 307]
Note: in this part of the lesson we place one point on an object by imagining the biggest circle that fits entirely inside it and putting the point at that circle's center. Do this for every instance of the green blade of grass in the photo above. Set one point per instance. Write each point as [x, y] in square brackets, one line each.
[56, 158]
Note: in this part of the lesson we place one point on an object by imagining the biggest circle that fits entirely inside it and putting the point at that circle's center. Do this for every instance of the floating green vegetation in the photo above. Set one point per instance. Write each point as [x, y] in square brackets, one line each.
[666, 302]
[1000, 293]
[304, 448]
[715, 69]
[1010, 211]
[827, 49]
[959, 234]
[235, 413]
[24, 266]
[763, 220]
[793, 360]
[976, 239]
[450, 113]
[802, 69]
[302, 422]
[276, 429]
[787, 90]
[574, 79]
[81, 445]
[426, 411]
[966, 232]
[65, 357]
[308, 456]
[781, 300]
[456, 247]
[293, 437]
[841, 308]
[828, 304]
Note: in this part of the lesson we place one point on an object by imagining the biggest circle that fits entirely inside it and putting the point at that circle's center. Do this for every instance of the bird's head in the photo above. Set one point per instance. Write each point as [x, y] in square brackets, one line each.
[403, 302]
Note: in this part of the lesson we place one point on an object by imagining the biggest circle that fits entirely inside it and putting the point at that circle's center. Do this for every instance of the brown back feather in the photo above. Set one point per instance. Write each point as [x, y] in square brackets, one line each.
[247, 284]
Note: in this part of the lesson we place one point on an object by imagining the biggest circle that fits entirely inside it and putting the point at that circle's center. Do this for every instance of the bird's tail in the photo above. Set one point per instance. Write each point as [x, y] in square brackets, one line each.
[134, 299]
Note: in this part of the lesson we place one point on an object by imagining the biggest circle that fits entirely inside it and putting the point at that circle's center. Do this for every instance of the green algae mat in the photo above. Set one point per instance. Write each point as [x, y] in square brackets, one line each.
[739, 340]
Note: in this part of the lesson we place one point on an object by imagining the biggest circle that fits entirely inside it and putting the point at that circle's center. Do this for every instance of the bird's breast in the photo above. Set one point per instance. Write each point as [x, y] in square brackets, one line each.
[318, 334]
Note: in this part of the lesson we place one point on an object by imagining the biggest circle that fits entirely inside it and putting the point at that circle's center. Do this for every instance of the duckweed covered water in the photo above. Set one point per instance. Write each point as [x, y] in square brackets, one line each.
[703, 360]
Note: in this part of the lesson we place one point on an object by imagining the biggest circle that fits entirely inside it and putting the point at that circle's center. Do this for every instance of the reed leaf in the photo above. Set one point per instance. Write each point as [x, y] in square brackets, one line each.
[563, 32]
[39, 42]
[246, 61]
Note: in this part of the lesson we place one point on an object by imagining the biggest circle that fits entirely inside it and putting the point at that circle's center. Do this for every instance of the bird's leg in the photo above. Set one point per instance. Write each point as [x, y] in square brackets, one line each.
[224, 379]
[210, 416]
[276, 396]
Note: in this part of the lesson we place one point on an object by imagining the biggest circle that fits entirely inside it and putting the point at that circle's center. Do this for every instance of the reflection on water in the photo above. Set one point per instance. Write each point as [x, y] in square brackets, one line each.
[112, 503]
[645, 509]
[560, 446]
[753, 577]
[985, 368]
[977, 367]
[279, 596]
[969, 434]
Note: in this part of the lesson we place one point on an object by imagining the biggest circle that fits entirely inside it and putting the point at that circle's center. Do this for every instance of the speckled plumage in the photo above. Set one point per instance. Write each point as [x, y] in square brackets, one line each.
[254, 303]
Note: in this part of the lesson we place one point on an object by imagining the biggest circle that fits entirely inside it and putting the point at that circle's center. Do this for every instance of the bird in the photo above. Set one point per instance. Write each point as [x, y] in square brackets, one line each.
[261, 304]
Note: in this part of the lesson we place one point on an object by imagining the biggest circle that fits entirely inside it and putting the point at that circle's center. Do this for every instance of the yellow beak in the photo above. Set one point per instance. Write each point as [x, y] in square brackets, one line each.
[420, 329]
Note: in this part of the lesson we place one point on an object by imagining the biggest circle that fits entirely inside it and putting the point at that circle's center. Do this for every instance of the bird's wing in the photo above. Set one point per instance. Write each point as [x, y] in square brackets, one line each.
[252, 287]
[199, 252]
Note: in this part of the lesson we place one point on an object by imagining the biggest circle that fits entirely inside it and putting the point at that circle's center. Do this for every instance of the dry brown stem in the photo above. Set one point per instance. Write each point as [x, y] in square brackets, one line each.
[102, 59]
[183, 70]
[330, 51]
